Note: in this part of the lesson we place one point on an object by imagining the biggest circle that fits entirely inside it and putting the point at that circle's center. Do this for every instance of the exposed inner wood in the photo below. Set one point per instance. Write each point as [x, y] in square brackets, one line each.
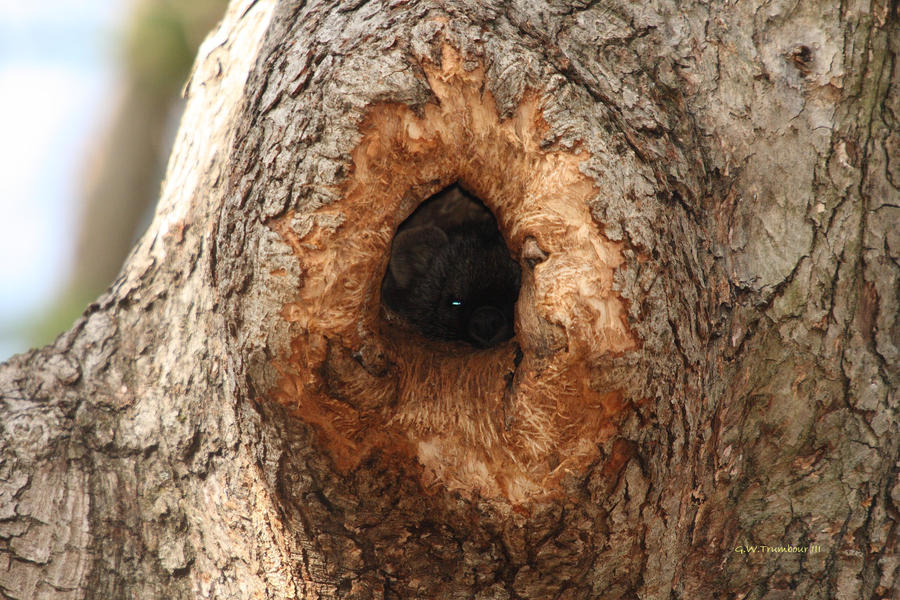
[506, 422]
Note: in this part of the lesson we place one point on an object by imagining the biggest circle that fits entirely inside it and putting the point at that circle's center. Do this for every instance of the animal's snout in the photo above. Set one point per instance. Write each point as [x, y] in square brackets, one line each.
[489, 326]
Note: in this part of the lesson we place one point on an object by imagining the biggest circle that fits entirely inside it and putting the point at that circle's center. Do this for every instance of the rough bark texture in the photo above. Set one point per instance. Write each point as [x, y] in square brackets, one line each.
[704, 202]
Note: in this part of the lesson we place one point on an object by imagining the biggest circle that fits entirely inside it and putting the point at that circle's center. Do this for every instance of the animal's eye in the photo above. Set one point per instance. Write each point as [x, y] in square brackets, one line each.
[456, 303]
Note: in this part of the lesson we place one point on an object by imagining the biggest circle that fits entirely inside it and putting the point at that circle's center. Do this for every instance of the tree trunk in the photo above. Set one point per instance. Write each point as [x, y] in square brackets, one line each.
[700, 399]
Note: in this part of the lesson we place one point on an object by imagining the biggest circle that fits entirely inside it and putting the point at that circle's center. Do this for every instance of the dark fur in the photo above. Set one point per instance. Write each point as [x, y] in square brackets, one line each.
[450, 273]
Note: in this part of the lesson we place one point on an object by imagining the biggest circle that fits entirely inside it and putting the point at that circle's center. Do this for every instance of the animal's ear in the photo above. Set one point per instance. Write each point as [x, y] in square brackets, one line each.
[412, 252]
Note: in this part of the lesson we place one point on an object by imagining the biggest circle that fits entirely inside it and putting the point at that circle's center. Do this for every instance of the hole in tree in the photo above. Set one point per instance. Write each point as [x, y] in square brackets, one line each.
[450, 275]
[802, 57]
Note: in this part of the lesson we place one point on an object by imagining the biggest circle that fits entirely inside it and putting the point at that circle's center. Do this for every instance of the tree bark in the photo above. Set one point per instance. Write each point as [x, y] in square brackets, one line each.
[700, 400]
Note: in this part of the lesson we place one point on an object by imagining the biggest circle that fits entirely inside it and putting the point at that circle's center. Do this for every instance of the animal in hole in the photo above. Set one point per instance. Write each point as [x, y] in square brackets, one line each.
[450, 273]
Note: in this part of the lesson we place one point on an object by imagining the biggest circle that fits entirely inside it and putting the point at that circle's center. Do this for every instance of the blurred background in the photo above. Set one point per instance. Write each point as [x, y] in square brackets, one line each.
[90, 97]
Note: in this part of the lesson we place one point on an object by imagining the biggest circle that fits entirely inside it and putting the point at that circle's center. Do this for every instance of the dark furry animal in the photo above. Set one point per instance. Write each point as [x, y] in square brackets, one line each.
[450, 273]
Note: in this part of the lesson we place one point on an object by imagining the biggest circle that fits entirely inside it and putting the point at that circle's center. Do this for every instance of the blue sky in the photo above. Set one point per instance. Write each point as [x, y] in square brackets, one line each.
[57, 68]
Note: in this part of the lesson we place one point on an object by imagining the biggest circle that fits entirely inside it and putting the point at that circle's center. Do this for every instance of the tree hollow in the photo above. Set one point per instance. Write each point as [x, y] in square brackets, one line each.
[507, 421]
